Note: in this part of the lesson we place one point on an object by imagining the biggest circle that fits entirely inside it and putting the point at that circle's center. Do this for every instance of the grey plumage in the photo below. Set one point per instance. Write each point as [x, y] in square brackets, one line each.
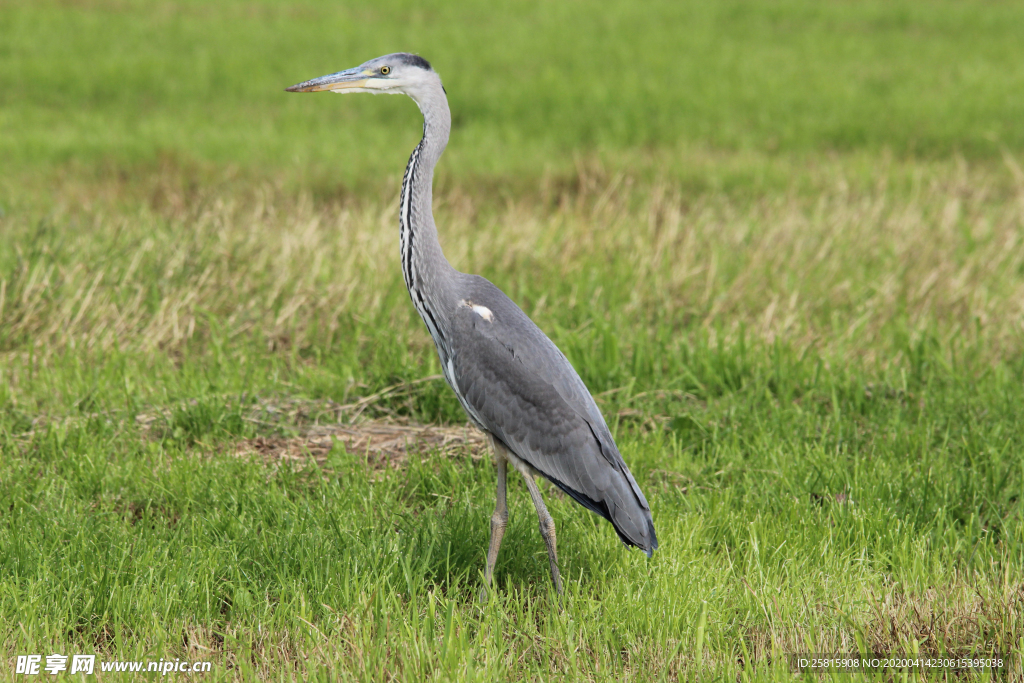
[512, 380]
[523, 390]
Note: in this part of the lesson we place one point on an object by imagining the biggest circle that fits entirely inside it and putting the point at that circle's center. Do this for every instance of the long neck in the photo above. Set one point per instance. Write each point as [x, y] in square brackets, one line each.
[427, 273]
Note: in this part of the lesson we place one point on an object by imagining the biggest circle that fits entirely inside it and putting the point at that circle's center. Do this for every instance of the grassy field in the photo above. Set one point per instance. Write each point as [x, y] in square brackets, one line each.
[783, 244]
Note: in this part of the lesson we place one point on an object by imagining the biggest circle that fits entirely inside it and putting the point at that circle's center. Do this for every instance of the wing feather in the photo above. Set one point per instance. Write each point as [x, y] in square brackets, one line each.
[524, 391]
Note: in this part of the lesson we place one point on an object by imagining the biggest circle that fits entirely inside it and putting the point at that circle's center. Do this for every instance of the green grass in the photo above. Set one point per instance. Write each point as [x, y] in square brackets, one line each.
[803, 508]
[107, 85]
[781, 242]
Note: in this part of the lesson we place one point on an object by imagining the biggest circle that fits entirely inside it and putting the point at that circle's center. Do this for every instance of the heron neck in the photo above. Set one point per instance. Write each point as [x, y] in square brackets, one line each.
[426, 270]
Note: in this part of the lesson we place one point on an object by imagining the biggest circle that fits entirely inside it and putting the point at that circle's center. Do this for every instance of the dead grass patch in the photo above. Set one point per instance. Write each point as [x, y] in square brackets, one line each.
[962, 617]
[382, 443]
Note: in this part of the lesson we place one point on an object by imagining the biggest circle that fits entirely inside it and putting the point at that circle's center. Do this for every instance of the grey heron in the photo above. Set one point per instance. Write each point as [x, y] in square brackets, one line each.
[512, 381]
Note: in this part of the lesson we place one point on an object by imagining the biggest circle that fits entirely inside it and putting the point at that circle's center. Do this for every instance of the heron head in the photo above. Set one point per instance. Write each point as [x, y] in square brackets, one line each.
[399, 73]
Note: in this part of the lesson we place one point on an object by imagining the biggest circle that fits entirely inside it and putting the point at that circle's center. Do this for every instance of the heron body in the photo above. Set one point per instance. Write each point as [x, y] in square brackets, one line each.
[511, 380]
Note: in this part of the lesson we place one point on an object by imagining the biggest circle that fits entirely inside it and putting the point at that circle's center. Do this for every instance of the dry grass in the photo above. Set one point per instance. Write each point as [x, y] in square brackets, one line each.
[298, 430]
[836, 270]
[383, 444]
[942, 619]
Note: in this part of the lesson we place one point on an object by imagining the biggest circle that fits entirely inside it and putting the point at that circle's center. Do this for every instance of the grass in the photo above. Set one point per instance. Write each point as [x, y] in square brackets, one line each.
[787, 260]
[104, 86]
[800, 508]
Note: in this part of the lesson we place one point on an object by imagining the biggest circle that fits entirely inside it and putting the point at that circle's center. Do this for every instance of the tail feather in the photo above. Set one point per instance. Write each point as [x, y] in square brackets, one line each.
[631, 521]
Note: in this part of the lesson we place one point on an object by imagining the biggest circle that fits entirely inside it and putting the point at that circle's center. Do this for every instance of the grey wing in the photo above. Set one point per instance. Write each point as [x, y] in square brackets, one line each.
[516, 383]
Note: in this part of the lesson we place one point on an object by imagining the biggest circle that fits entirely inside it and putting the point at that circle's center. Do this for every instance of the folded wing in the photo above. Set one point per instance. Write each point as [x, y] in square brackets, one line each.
[521, 388]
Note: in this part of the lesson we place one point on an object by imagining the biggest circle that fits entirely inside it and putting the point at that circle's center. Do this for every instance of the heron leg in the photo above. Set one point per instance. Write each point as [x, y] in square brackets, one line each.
[547, 526]
[499, 520]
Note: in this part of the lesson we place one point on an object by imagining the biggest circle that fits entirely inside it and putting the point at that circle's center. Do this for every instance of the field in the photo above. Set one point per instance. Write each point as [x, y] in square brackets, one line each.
[782, 243]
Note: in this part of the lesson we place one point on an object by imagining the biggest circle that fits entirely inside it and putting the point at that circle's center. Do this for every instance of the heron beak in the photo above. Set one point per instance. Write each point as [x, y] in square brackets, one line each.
[343, 80]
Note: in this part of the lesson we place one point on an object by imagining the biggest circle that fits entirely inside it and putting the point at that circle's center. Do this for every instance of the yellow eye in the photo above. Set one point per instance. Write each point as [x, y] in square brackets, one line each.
[385, 70]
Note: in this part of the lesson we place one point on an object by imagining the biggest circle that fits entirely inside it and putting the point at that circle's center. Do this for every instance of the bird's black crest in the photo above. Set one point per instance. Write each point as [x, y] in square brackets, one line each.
[416, 60]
